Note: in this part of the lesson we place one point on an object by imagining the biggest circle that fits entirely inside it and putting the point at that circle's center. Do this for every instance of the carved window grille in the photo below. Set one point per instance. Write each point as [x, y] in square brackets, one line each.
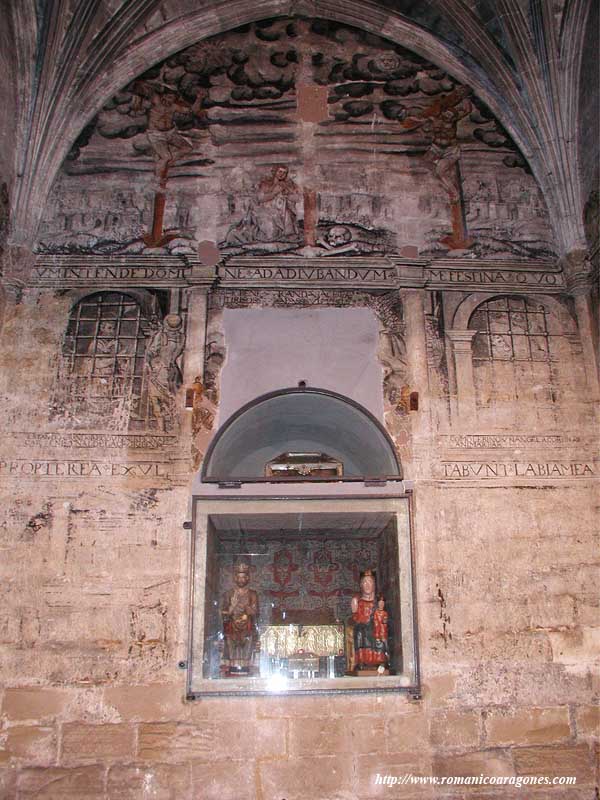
[516, 351]
[103, 356]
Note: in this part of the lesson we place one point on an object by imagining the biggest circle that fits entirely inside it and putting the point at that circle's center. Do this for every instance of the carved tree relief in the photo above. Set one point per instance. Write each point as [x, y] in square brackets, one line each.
[225, 128]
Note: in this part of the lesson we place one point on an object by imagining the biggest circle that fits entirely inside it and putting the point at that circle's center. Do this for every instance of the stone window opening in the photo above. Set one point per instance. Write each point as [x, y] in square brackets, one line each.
[102, 372]
[516, 352]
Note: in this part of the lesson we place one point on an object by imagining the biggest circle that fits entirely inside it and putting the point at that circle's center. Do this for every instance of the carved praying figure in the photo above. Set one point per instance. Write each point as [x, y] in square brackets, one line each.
[239, 613]
[162, 369]
[271, 215]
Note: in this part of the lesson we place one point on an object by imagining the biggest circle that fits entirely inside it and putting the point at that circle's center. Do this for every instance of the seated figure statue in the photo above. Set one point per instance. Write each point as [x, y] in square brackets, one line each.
[239, 613]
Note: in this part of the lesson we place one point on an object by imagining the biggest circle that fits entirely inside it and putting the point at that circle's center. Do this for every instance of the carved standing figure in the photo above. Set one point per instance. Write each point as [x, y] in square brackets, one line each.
[239, 612]
[381, 620]
[162, 370]
[368, 650]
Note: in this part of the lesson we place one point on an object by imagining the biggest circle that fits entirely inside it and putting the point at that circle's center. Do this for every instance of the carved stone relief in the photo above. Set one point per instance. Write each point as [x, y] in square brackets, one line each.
[185, 146]
[436, 351]
[119, 367]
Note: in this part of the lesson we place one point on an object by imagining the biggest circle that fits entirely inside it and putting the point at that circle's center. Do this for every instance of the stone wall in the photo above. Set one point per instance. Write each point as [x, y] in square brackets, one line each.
[342, 197]
[95, 570]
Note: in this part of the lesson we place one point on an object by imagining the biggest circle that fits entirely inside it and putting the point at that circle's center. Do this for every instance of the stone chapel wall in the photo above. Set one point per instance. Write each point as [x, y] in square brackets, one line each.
[466, 306]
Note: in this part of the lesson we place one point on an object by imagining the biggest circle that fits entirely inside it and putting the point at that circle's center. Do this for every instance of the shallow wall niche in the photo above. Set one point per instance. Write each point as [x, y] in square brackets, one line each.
[307, 641]
[275, 348]
[300, 421]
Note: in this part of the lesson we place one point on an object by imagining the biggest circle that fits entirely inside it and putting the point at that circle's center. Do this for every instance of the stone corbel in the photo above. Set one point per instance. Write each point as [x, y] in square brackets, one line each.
[461, 342]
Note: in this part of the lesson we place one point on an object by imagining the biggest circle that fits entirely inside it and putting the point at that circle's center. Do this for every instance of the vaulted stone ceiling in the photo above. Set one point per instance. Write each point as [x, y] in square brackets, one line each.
[67, 58]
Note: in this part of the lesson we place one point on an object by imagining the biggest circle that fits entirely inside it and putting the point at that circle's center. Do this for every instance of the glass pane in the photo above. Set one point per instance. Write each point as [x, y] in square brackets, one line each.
[498, 322]
[501, 347]
[521, 347]
[539, 348]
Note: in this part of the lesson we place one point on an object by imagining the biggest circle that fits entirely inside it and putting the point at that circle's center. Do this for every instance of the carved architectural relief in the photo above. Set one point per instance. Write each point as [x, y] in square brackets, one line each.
[184, 144]
[119, 367]
[523, 353]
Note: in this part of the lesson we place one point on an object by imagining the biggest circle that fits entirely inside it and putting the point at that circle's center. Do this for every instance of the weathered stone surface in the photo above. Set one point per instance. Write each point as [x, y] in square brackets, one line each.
[225, 780]
[455, 729]
[80, 783]
[561, 760]
[33, 704]
[160, 781]
[487, 762]
[148, 703]
[326, 736]
[83, 744]
[212, 740]
[437, 689]
[588, 721]
[8, 782]
[406, 731]
[306, 778]
[32, 744]
[528, 726]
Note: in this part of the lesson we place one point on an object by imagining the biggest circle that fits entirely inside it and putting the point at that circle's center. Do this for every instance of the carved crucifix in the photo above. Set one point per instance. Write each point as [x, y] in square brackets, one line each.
[167, 143]
[439, 121]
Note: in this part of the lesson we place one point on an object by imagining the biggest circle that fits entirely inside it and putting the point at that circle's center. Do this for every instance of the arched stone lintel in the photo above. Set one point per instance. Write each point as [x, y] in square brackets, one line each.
[465, 310]
[143, 297]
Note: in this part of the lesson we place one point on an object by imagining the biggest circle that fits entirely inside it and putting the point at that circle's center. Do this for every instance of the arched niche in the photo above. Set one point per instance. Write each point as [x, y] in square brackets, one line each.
[468, 306]
[300, 420]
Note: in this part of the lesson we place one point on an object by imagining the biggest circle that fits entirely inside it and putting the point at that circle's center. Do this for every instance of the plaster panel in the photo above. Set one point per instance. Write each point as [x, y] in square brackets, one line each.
[330, 348]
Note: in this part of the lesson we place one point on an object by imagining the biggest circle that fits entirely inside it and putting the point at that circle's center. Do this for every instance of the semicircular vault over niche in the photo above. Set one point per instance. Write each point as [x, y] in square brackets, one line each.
[301, 421]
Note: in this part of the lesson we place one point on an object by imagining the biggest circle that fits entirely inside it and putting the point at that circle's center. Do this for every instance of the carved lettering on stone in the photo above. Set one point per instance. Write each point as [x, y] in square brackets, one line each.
[22, 468]
[505, 441]
[482, 470]
[101, 441]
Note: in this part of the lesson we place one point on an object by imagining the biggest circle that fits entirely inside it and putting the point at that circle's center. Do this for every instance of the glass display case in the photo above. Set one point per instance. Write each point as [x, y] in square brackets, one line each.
[301, 594]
